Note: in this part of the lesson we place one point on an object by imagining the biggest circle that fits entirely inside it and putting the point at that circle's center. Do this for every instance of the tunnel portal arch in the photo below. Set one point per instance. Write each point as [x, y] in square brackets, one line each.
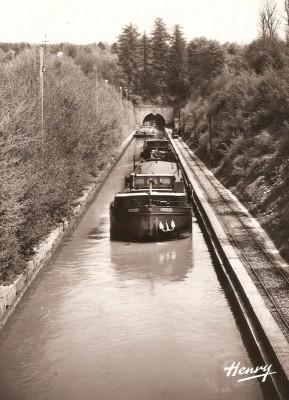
[164, 114]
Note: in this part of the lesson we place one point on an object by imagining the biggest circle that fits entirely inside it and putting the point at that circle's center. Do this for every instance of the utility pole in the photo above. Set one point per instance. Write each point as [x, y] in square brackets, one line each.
[41, 80]
[41, 70]
[210, 141]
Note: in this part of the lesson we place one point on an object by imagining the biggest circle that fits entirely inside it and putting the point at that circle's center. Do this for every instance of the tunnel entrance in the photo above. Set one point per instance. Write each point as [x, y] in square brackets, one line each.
[156, 119]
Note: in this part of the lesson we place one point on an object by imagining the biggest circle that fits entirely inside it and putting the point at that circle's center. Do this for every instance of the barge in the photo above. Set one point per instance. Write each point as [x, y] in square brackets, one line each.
[160, 149]
[145, 131]
[155, 205]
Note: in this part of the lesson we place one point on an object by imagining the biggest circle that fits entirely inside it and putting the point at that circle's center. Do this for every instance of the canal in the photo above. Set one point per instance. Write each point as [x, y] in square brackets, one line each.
[125, 321]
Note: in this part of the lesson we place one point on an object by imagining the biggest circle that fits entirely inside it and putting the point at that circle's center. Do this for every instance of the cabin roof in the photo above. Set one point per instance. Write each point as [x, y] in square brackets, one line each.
[158, 167]
[156, 140]
[153, 194]
[151, 174]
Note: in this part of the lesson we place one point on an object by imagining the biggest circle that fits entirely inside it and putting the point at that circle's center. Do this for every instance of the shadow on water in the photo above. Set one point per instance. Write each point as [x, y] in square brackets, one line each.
[100, 231]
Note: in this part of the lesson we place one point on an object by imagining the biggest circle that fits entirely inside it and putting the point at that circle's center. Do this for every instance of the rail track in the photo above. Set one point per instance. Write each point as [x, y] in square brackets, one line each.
[270, 280]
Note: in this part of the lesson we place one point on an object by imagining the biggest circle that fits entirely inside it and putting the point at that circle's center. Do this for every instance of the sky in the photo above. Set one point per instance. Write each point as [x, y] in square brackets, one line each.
[92, 21]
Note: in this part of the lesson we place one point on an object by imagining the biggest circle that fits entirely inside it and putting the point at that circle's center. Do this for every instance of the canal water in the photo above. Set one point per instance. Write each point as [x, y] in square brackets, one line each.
[124, 321]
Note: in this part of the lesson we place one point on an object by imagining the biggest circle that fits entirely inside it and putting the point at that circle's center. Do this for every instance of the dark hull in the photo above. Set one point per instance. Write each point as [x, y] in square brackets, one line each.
[140, 224]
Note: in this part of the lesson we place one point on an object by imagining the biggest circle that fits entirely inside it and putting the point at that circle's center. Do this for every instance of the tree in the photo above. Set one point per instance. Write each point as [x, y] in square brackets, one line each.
[160, 51]
[261, 54]
[286, 18]
[206, 60]
[268, 19]
[145, 54]
[234, 58]
[268, 50]
[177, 63]
[129, 56]
[101, 45]
[147, 83]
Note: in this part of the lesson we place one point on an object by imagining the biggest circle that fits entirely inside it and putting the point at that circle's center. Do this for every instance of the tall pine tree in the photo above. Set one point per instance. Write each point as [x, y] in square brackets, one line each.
[145, 54]
[146, 71]
[177, 64]
[160, 51]
[128, 50]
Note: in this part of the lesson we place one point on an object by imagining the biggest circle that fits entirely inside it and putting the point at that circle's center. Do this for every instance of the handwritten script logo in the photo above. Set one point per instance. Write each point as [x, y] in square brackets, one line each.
[262, 371]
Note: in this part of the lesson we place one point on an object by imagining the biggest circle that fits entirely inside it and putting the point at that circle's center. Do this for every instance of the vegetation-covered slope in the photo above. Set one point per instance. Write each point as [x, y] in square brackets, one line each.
[44, 168]
[249, 115]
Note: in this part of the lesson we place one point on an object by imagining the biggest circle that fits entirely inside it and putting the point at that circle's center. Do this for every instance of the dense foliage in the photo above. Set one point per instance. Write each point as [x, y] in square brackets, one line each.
[45, 168]
[246, 105]
[177, 65]
[153, 66]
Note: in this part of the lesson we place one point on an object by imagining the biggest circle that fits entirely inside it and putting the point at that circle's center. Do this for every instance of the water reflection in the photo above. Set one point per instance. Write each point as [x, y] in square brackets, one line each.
[166, 261]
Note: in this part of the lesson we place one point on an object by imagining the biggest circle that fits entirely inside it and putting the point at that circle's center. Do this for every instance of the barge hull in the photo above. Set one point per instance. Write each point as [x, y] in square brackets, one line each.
[150, 226]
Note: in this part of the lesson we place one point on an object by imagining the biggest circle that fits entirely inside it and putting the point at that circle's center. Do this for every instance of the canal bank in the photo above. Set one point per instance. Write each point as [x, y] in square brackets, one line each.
[270, 341]
[10, 295]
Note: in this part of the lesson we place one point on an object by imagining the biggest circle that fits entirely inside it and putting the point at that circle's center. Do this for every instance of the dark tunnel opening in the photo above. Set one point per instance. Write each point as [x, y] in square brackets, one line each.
[156, 119]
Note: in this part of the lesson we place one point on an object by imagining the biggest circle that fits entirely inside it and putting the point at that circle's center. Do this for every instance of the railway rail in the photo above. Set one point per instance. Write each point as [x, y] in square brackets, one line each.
[269, 278]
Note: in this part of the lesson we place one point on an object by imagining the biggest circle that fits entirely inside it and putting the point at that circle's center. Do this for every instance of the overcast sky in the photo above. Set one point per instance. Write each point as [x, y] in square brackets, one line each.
[89, 21]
